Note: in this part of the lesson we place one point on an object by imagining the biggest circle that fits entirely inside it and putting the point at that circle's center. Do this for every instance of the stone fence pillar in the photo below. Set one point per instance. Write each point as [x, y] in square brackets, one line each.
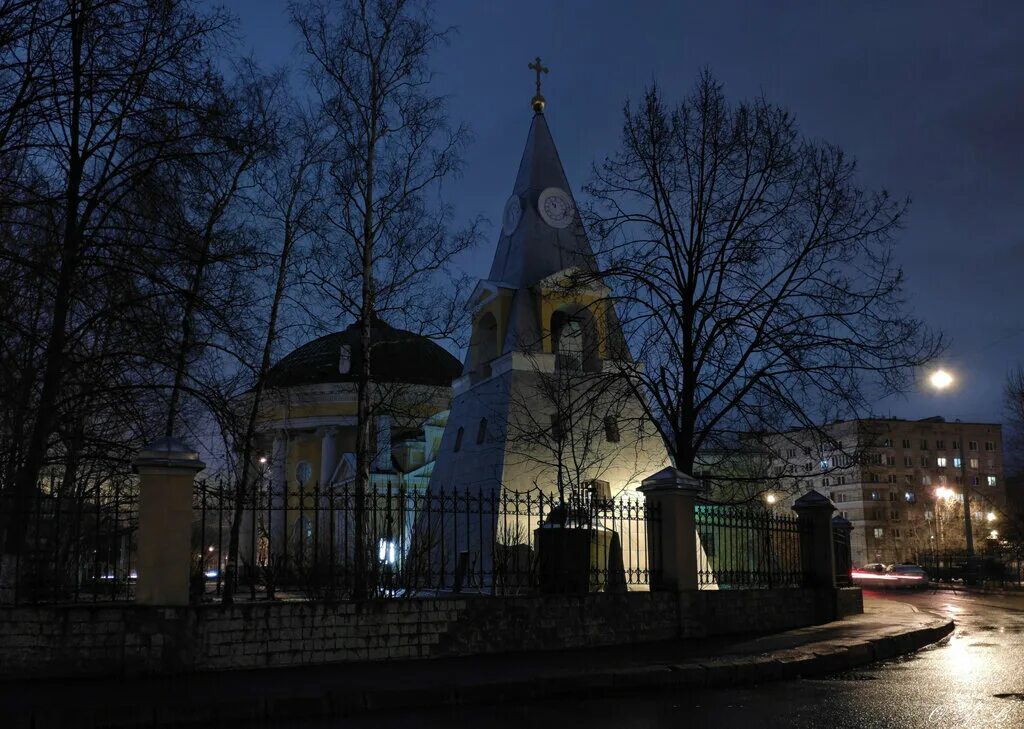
[671, 495]
[841, 533]
[817, 553]
[167, 470]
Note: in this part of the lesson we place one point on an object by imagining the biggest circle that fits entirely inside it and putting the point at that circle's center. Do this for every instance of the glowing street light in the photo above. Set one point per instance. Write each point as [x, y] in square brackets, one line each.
[943, 492]
[991, 516]
[770, 498]
[940, 379]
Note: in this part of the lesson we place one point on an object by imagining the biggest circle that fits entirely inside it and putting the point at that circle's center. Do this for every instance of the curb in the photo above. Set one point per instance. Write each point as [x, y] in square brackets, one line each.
[812, 660]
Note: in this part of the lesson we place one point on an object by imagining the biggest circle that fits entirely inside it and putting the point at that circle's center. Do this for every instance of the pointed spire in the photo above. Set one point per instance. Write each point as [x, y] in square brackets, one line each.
[534, 249]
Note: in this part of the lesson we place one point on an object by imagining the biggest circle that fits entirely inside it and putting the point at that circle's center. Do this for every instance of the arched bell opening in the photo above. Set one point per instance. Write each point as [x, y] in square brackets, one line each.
[483, 347]
[574, 339]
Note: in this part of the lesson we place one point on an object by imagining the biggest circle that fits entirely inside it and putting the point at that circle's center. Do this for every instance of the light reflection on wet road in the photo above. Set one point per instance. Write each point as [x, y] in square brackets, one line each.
[973, 679]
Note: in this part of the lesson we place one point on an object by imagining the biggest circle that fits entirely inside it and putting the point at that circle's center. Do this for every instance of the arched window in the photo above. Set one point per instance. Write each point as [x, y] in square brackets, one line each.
[481, 433]
[574, 339]
[303, 471]
[483, 346]
[458, 439]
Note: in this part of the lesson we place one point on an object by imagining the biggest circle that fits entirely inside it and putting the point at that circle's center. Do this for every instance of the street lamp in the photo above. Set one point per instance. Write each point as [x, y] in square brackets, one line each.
[942, 380]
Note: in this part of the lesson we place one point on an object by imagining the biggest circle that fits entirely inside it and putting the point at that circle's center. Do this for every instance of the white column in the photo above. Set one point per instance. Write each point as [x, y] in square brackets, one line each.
[328, 454]
[279, 493]
[383, 443]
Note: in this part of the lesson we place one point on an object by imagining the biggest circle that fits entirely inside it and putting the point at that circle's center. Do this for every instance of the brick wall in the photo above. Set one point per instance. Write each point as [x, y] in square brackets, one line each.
[128, 640]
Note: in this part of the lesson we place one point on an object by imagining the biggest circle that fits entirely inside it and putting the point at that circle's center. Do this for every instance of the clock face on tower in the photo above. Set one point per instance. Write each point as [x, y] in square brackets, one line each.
[510, 218]
[555, 207]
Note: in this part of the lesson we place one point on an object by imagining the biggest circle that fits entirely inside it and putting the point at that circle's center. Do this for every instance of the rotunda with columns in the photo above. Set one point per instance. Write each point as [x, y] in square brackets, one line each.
[307, 427]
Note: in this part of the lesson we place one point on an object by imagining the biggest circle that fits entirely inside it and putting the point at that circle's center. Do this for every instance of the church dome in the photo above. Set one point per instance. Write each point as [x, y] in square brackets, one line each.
[398, 356]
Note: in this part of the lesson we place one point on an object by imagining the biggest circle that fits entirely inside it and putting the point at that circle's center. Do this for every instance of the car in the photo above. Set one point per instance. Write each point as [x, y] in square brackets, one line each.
[870, 575]
[907, 575]
[899, 576]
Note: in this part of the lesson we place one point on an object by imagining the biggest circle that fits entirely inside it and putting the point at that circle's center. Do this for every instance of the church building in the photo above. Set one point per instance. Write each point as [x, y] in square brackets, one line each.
[542, 405]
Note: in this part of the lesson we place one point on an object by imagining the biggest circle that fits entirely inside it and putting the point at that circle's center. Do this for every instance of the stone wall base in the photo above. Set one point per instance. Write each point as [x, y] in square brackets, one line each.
[110, 640]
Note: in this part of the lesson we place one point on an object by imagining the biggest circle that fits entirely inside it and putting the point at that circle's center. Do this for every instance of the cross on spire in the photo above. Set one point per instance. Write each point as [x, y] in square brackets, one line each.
[537, 102]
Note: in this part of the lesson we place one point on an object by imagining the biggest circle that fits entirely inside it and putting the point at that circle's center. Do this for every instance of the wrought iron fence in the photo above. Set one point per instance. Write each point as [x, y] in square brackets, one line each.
[394, 541]
[996, 569]
[743, 547]
[333, 544]
[74, 546]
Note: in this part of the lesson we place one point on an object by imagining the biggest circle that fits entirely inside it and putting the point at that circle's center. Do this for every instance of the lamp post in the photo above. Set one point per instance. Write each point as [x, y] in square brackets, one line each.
[942, 380]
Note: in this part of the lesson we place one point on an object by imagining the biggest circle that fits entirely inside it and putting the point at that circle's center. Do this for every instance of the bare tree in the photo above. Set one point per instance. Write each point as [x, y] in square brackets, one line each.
[387, 237]
[116, 90]
[754, 278]
[290, 202]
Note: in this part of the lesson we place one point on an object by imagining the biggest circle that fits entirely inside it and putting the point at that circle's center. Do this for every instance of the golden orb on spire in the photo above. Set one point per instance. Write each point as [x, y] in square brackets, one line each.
[537, 102]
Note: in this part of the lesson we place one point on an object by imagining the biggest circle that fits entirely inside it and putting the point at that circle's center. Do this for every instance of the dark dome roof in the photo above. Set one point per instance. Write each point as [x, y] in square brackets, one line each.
[398, 356]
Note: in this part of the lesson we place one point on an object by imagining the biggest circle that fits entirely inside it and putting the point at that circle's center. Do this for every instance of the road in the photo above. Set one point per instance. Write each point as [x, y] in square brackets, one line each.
[973, 679]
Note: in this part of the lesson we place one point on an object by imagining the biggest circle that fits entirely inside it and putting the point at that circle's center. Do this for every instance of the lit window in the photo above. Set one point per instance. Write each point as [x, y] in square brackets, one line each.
[879, 532]
[991, 480]
[875, 496]
[973, 462]
[926, 480]
[909, 497]
[940, 461]
[823, 464]
[957, 462]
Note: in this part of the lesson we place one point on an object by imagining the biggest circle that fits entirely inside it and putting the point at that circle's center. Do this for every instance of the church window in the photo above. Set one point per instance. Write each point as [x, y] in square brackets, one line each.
[611, 429]
[303, 471]
[458, 439]
[481, 432]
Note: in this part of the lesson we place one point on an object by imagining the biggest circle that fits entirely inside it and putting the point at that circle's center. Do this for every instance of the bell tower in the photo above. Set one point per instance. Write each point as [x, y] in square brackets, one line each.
[543, 331]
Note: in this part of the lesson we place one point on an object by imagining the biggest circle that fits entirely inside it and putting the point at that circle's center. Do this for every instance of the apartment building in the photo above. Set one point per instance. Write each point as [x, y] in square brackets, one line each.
[900, 482]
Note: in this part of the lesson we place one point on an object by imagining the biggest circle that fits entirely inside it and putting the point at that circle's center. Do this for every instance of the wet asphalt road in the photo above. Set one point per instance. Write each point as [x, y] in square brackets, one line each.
[975, 678]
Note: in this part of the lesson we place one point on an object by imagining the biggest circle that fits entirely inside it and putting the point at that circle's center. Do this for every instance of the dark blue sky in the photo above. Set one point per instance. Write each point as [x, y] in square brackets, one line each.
[928, 96]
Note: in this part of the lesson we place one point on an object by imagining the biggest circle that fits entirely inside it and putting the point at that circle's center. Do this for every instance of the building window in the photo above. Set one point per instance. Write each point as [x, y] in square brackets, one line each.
[611, 429]
[458, 439]
[928, 516]
[844, 514]
[892, 496]
[840, 480]
[824, 482]
[808, 466]
[823, 464]
[974, 481]
[887, 443]
[875, 496]
[940, 461]
[840, 498]
[481, 432]
[791, 452]
[972, 445]
[807, 451]
[303, 471]
[940, 445]
[909, 497]
[874, 478]
[926, 480]
[906, 442]
[956, 445]
[973, 463]
[991, 480]
[891, 478]
[908, 461]
[942, 480]
[896, 533]
[957, 461]
[990, 445]
[924, 461]
[879, 532]
[890, 460]
[894, 516]
[908, 478]
[924, 445]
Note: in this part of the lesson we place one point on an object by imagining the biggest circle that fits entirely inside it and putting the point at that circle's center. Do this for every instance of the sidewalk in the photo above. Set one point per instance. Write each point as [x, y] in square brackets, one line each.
[886, 629]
